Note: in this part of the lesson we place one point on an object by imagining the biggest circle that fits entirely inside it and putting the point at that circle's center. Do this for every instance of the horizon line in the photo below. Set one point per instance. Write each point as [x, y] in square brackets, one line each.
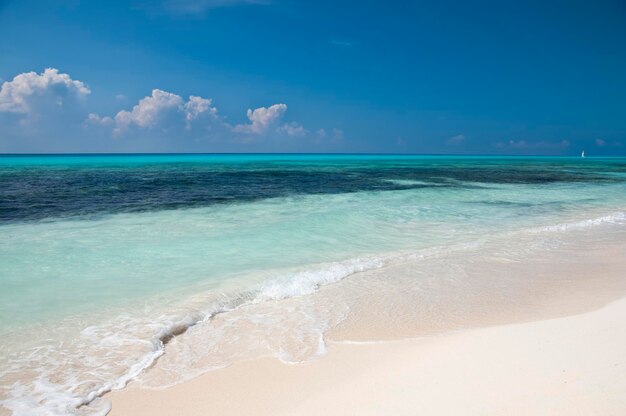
[292, 153]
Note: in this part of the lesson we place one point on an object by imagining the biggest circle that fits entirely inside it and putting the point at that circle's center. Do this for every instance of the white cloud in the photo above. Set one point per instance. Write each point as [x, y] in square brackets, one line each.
[454, 140]
[29, 90]
[158, 108]
[342, 42]
[334, 138]
[201, 6]
[261, 119]
[523, 144]
[96, 119]
[146, 113]
[603, 143]
[197, 106]
[293, 129]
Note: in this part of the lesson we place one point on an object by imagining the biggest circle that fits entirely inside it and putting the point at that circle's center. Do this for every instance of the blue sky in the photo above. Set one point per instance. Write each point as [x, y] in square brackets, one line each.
[532, 77]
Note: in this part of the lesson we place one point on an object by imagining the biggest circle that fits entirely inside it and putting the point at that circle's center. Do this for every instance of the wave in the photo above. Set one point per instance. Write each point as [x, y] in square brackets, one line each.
[308, 281]
[43, 397]
[617, 218]
[55, 399]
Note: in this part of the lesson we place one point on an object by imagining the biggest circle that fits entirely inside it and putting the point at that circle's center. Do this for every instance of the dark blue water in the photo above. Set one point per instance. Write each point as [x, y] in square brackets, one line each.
[40, 187]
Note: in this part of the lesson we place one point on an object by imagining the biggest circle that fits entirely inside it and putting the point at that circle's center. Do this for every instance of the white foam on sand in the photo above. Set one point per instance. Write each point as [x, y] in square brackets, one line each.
[618, 218]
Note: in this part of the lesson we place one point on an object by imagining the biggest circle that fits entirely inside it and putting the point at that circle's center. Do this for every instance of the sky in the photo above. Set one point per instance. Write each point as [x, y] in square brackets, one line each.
[448, 77]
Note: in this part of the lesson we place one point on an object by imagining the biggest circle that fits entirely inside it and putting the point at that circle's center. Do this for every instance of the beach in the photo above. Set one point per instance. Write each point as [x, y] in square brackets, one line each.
[300, 284]
[566, 355]
[564, 366]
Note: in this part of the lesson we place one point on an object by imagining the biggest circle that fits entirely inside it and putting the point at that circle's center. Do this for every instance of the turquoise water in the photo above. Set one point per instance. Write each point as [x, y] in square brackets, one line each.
[104, 258]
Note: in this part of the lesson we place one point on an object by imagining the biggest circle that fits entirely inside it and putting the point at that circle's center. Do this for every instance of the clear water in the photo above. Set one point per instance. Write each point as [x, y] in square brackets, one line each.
[105, 259]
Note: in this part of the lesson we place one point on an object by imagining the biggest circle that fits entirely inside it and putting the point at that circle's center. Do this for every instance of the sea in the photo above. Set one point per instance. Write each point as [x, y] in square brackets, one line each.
[155, 268]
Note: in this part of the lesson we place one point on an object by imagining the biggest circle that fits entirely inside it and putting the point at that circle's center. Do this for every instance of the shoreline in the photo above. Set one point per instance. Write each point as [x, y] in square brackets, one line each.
[523, 276]
[571, 365]
[549, 309]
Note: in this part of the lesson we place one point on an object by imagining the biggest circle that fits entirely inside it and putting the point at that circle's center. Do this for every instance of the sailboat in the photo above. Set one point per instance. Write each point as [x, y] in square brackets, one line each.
[583, 153]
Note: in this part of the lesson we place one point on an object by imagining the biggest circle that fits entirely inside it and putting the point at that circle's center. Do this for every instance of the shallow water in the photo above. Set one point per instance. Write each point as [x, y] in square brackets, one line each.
[105, 259]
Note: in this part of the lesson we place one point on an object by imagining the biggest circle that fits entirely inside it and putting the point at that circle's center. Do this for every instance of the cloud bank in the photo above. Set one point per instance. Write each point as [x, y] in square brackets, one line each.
[35, 109]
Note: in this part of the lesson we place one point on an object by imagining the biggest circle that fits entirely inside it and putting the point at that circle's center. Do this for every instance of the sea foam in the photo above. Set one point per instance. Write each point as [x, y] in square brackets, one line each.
[617, 218]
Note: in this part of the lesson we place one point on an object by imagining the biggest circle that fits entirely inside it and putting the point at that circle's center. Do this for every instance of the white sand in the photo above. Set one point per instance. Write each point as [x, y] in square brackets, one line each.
[574, 365]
